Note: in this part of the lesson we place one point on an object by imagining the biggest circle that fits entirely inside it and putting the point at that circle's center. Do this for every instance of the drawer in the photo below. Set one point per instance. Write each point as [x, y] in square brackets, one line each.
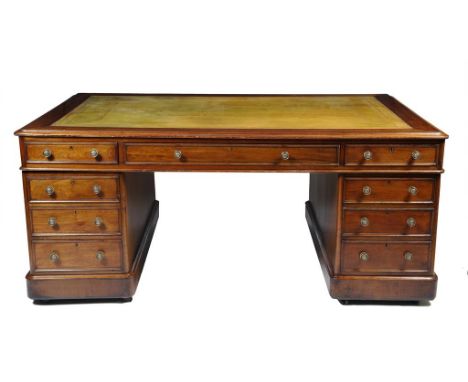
[391, 155]
[73, 187]
[387, 222]
[280, 155]
[88, 256]
[82, 153]
[382, 257]
[388, 190]
[98, 221]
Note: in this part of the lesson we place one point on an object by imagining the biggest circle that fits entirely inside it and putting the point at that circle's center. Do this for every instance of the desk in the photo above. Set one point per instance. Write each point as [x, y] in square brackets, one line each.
[90, 198]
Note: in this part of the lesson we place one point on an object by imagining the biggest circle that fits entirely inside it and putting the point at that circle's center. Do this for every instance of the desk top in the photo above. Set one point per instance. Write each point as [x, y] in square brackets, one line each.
[232, 116]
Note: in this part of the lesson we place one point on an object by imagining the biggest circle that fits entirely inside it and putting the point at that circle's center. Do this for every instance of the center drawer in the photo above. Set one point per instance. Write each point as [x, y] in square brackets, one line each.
[387, 222]
[97, 221]
[280, 155]
[89, 255]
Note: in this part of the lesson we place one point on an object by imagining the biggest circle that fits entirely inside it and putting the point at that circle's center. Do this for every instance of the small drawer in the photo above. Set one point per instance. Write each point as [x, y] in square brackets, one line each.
[391, 155]
[388, 190]
[382, 257]
[52, 188]
[87, 256]
[82, 153]
[97, 221]
[387, 222]
[180, 155]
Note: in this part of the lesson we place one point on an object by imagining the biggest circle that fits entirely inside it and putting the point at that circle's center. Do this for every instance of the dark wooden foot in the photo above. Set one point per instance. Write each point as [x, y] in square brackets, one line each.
[83, 301]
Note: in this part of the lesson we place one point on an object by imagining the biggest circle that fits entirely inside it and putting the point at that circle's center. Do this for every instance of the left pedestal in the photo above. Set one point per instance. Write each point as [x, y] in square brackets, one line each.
[88, 233]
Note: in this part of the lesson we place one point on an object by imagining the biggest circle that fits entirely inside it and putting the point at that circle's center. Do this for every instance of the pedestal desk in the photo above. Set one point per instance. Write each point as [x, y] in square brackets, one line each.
[90, 199]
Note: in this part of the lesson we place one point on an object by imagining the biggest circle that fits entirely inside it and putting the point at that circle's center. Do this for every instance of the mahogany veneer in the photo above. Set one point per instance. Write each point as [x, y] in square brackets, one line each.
[89, 190]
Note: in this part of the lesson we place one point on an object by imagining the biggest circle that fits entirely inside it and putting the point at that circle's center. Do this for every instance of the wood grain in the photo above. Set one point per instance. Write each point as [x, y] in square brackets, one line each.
[73, 187]
[77, 255]
[387, 222]
[385, 257]
[389, 190]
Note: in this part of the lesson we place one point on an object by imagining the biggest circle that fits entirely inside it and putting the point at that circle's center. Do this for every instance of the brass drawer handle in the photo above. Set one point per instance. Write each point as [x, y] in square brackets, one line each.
[100, 255]
[367, 155]
[413, 190]
[178, 154]
[364, 256]
[52, 221]
[411, 222]
[367, 190]
[97, 189]
[285, 155]
[54, 257]
[408, 256]
[364, 221]
[47, 153]
[415, 155]
[50, 190]
[94, 153]
[98, 221]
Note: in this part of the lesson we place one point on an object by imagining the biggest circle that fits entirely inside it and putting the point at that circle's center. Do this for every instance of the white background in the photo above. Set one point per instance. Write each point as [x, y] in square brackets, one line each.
[232, 289]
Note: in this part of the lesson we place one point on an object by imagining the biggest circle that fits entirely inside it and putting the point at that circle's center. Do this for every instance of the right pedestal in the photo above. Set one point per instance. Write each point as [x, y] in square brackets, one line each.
[375, 235]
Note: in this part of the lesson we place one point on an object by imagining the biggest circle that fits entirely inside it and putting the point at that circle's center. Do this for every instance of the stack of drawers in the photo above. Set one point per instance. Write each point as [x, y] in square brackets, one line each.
[75, 223]
[387, 225]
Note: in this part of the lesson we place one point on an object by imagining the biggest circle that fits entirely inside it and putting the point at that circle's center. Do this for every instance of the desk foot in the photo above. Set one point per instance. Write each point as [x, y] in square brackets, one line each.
[83, 301]
[107, 287]
[353, 288]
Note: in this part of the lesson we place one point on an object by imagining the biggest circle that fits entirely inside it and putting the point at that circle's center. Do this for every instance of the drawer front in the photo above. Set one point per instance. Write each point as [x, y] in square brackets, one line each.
[83, 153]
[387, 222]
[391, 155]
[73, 187]
[381, 257]
[388, 190]
[52, 221]
[224, 155]
[89, 256]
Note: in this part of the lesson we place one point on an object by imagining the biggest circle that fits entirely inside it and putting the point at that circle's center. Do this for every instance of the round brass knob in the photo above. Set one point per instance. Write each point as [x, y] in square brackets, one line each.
[100, 255]
[97, 189]
[52, 221]
[94, 153]
[178, 154]
[364, 256]
[411, 222]
[285, 155]
[367, 155]
[98, 221]
[415, 155]
[54, 257]
[412, 190]
[408, 256]
[366, 190]
[364, 221]
[50, 190]
[47, 153]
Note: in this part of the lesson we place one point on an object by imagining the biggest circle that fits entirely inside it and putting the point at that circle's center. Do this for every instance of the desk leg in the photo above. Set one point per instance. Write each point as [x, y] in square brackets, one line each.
[138, 214]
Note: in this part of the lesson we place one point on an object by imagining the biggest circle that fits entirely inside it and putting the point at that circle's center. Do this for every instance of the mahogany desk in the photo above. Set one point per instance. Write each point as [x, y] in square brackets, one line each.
[89, 188]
